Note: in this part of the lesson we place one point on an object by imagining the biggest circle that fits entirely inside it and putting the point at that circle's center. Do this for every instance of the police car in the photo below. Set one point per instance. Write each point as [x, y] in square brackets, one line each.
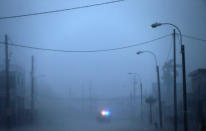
[104, 115]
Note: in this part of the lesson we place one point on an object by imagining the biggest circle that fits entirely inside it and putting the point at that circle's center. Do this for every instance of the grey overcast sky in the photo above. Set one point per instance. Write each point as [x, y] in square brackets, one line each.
[101, 27]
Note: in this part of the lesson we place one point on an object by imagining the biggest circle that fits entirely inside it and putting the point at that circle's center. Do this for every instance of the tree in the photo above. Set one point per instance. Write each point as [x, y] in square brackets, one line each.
[150, 100]
[168, 72]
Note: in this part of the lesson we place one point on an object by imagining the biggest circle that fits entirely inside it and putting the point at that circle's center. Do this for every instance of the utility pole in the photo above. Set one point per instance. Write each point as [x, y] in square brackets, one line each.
[134, 88]
[32, 88]
[159, 98]
[175, 83]
[184, 88]
[134, 94]
[141, 100]
[8, 104]
[183, 71]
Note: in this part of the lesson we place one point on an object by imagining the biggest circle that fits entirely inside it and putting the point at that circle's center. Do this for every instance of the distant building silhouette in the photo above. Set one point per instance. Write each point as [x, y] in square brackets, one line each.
[197, 97]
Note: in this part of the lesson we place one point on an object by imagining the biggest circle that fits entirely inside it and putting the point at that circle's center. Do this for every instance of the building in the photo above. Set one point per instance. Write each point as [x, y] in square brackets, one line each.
[197, 97]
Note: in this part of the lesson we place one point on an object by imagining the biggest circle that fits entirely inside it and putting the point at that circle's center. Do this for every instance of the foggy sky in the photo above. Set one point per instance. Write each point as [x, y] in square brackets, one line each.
[101, 27]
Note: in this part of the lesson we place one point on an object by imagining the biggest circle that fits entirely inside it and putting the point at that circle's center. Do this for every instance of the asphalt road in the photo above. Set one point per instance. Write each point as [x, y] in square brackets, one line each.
[85, 125]
[61, 118]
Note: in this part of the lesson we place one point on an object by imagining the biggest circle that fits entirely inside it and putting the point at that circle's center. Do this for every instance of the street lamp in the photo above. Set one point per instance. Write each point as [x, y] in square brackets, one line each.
[134, 85]
[158, 83]
[183, 70]
[140, 82]
[154, 25]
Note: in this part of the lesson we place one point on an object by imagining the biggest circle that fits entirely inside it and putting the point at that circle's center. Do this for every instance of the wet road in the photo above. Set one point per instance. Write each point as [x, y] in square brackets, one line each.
[60, 118]
[86, 125]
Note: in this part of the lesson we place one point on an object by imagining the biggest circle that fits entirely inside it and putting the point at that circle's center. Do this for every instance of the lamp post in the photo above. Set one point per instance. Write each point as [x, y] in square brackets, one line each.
[158, 84]
[183, 70]
[140, 82]
[7, 84]
[134, 86]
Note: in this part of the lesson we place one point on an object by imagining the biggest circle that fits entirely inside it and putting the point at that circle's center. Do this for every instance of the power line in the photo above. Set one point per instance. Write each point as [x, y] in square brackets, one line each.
[86, 51]
[60, 10]
[99, 50]
[186, 36]
[194, 38]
